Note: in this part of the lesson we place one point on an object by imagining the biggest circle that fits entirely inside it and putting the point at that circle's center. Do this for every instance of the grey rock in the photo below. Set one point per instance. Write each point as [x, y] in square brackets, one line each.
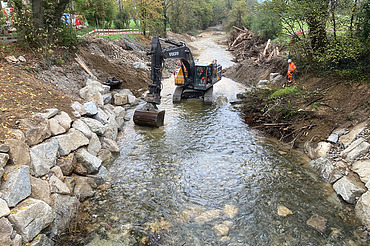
[326, 169]
[132, 100]
[334, 136]
[278, 79]
[94, 145]
[42, 240]
[139, 65]
[101, 116]
[17, 240]
[362, 149]
[120, 113]
[363, 209]
[349, 189]
[95, 126]
[262, 83]
[70, 182]
[57, 186]
[106, 89]
[362, 168]
[107, 98]
[64, 120]
[111, 129]
[91, 108]
[67, 164]
[347, 139]
[22, 59]
[103, 173]
[36, 129]
[208, 216]
[105, 156]
[43, 157]
[57, 171]
[31, 217]
[17, 185]
[111, 145]
[323, 149]
[40, 190]
[78, 107]
[94, 83]
[65, 208]
[90, 162]
[4, 209]
[120, 99]
[80, 169]
[6, 231]
[84, 188]
[3, 159]
[51, 112]
[82, 127]
[97, 98]
[19, 152]
[273, 76]
[221, 230]
[71, 141]
[241, 95]
[16, 134]
[55, 127]
[317, 222]
[351, 147]
[4, 148]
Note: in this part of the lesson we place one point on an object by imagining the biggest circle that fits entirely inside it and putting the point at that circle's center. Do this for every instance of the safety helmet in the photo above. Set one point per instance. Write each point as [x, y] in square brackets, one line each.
[289, 60]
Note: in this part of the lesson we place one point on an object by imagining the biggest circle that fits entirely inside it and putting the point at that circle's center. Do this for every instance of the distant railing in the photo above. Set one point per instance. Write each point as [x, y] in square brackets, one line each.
[106, 32]
[5, 37]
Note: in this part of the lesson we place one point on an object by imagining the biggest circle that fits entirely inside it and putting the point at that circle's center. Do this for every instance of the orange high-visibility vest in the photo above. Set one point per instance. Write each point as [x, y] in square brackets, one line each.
[292, 67]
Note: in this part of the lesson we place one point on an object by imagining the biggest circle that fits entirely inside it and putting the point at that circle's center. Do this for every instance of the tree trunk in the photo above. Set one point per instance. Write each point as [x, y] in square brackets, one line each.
[37, 13]
[57, 16]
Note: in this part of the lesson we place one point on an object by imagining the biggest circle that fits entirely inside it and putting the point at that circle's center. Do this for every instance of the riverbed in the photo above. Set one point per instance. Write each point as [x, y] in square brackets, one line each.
[206, 178]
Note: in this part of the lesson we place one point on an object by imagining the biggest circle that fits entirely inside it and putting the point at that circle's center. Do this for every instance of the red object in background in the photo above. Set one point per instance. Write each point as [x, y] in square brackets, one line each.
[78, 23]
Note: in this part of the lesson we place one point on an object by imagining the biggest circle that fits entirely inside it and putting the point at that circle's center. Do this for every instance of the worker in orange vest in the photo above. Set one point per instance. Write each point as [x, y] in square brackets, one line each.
[291, 69]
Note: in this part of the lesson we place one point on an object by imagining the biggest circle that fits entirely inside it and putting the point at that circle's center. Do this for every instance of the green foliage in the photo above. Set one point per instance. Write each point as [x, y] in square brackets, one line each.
[98, 13]
[239, 14]
[286, 91]
[266, 24]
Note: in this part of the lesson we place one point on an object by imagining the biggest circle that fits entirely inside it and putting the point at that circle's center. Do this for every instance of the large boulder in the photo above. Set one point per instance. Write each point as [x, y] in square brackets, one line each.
[347, 139]
[84, 188]
[64, 120]
[19, 152]
[120, 99]
[334, 136]
[4, 148]
[4, 209]
[3, 159]
[326, 169]
[40, 190]
[82, 127]
[30, 217]
[111, 145]
[95, 126]
[65, 208]
[87, 160]
[43, 157]
[361, 149]
[67, 163]
[91, 108]
[101, 116]
[36, 129]
[49, 113]
[6, 231]
[111, 129]
[42, 240]
[120, 113]
[56, 128]
[362, 168]
[57, 186]
[93, 92]
[79, 108]
[17, 185]
[71, 141]
[94, 145]
[349, 189]
[363, 209]
[105, 156]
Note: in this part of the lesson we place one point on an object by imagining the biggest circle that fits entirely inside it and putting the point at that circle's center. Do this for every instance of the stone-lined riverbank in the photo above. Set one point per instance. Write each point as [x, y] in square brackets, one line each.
[53, 163]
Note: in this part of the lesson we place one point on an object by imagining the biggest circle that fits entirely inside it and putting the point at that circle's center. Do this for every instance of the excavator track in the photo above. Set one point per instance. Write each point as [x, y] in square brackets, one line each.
[176, 98]
[208, 96]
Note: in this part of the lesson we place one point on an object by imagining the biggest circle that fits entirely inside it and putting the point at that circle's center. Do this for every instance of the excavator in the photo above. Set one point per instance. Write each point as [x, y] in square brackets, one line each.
[192, 80]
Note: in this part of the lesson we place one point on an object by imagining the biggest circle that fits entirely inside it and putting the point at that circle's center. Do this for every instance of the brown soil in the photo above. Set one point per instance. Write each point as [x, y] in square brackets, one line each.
[30, 87]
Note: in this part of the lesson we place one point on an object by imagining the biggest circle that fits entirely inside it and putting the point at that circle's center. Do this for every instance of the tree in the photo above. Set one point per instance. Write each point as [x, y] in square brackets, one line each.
[99, 13]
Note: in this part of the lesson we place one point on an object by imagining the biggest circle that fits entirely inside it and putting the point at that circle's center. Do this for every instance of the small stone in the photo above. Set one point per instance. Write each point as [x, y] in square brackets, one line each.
[4, 209]
[284, 211]
[208, 216]
[4, 148]
[317, 222]
[221, 230]
[230, 211]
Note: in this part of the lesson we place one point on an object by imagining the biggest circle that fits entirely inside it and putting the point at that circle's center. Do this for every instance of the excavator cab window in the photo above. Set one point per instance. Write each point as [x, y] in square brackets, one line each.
[201, 77]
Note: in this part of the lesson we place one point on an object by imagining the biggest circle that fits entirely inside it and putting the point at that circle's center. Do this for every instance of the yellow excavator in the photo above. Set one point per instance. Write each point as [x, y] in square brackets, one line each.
[192, 80]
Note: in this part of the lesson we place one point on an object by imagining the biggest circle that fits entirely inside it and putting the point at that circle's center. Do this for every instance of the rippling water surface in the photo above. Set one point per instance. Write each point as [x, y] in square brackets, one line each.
[204, 170]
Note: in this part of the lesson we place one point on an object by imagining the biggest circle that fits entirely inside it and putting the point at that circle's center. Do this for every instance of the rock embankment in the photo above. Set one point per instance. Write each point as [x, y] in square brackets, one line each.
[52, 163]
[343, 160]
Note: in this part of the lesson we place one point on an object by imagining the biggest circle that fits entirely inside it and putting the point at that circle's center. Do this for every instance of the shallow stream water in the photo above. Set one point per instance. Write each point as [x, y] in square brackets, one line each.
[204, 172]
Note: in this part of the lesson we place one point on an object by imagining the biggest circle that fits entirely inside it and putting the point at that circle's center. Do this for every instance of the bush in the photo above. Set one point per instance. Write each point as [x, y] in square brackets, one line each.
[266, 24]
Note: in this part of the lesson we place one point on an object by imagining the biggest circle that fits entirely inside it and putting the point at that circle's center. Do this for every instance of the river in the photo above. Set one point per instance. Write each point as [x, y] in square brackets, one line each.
[205, 178]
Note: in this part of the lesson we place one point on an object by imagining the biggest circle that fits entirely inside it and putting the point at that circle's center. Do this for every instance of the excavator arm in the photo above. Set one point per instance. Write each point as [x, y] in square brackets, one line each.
[149, 115]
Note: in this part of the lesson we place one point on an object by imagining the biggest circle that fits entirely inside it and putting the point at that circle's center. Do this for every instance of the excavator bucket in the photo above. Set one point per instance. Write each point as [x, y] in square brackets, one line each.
[149, 115]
